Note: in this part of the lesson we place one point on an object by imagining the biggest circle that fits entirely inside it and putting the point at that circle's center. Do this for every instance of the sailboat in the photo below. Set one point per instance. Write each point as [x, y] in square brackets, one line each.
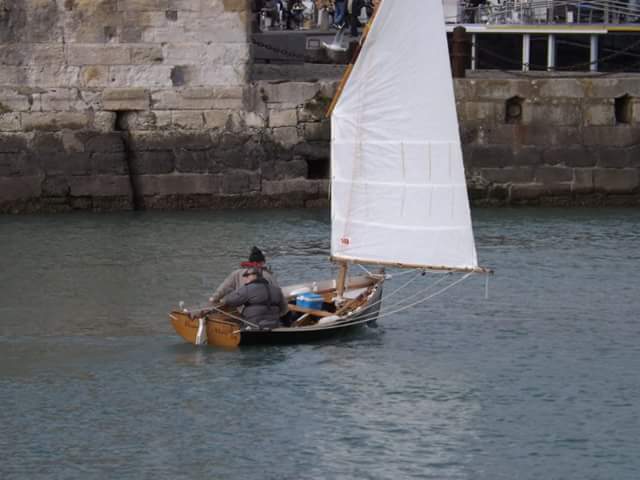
[399, 196]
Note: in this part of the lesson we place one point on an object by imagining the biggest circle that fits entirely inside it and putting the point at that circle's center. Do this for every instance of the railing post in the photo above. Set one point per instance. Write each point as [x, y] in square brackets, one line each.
[551, 52]
[458, 52]
[526, 52]
[593, 53]
[474, 52]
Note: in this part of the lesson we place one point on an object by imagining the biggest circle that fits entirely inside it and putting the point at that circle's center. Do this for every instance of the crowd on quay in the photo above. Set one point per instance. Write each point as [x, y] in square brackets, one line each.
[541, 11]
[312, 14]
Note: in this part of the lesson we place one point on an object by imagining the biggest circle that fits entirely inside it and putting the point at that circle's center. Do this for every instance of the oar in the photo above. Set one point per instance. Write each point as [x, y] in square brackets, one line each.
[218, 308]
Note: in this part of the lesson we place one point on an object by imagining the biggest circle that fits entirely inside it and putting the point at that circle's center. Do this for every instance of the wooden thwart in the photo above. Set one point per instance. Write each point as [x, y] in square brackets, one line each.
[310, 311]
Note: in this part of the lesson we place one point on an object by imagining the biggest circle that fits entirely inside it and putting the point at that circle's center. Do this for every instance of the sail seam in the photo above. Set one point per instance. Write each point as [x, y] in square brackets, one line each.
[406, 227]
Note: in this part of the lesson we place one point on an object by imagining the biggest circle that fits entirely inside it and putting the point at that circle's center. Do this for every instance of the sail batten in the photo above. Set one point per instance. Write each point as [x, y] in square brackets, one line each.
[398, 186]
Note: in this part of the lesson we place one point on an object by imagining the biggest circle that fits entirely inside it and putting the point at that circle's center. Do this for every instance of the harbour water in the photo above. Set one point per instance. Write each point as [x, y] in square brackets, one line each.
[540, 380]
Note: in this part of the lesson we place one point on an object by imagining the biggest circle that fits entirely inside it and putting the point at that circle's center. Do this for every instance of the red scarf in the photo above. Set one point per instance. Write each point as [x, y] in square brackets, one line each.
[252, 265]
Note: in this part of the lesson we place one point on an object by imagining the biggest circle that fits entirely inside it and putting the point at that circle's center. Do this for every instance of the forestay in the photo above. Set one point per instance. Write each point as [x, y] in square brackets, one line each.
[398, 187]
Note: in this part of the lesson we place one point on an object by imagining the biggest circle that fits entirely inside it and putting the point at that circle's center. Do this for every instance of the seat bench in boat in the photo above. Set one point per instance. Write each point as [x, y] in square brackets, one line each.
[310, 311]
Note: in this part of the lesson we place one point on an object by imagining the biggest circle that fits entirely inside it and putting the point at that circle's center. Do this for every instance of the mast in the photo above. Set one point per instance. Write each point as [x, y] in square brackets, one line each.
[354, 58]
[342, 277]
[343, 265]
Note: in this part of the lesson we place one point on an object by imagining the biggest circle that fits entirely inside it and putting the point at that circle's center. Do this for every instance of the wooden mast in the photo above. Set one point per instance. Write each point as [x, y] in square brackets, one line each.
[342, 277]
[356, 54]
[344, 266]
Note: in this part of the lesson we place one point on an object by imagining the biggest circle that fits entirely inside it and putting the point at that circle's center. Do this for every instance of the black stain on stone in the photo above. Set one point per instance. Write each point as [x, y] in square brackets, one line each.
[171, 15]
[109, 33]
[178, 76]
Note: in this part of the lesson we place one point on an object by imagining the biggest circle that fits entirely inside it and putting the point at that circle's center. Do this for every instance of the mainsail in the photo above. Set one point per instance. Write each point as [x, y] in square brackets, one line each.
[398, 187]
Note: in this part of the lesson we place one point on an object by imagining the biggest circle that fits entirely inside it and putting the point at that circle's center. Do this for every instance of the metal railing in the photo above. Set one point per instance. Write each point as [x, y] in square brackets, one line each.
[535, 12]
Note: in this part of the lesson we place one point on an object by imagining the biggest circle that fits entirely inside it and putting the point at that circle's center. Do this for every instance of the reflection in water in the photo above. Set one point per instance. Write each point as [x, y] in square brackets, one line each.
[539, 381]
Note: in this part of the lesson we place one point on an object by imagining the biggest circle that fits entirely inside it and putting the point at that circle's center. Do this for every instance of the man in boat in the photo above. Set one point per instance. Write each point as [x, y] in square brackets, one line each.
[263, 304]
[235, 279]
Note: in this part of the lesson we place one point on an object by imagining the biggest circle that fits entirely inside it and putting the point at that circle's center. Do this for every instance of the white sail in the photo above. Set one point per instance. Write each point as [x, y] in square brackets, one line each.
[398, 187]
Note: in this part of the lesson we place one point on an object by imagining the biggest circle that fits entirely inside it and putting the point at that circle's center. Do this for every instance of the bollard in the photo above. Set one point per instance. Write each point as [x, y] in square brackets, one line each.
[459, 45]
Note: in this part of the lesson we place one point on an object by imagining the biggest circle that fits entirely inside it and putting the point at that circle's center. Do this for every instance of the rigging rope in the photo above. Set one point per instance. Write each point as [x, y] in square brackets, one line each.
[208, 308]
[442, 290]
[420, 292]
[386, 297]
[375, 315]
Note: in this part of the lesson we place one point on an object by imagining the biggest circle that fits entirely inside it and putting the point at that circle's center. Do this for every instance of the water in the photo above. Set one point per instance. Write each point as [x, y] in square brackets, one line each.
[539, 381]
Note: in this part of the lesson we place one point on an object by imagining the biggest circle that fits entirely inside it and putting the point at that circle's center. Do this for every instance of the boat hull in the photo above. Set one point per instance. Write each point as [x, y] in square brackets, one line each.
[223, 333]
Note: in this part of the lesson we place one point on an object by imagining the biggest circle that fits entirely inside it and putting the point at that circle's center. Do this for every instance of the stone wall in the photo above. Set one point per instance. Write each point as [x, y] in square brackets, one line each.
[111, 105]
[556, 141]
[74, 71]
[194, 147]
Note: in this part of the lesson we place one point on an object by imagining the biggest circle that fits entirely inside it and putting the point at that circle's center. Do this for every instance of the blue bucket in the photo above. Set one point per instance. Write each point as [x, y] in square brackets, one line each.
[310, 300]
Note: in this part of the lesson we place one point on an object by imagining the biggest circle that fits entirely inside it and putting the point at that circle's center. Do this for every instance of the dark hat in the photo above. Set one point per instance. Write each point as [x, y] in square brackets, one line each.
[256, 255]
[251, 271]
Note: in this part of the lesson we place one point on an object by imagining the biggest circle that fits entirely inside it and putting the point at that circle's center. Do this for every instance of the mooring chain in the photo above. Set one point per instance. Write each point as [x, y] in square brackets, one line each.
[282, 51]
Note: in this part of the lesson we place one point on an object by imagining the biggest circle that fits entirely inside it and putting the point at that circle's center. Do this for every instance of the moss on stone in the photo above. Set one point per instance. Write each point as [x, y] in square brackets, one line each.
[318, 105]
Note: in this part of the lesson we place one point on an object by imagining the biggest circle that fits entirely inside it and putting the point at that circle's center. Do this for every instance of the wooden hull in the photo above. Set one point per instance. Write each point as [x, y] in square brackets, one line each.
[220, 332]
[224, 333]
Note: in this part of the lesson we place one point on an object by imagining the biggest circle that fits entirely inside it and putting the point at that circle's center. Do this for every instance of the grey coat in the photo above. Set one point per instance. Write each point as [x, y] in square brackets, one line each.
[234, 282]
[263, 303]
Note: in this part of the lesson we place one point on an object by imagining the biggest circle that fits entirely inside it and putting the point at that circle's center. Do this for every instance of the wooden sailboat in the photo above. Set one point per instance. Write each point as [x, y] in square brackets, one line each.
[399, 195]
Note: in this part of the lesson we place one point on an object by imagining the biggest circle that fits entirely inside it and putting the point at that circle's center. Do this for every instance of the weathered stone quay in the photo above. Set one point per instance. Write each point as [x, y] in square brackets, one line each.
[116, 105]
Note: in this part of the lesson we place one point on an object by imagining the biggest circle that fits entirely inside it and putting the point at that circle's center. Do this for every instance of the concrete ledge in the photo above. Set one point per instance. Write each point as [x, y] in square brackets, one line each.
[289, 93]
[179, 184]
[201, 98]
[119, 99]
[288, 186]
[54, 121]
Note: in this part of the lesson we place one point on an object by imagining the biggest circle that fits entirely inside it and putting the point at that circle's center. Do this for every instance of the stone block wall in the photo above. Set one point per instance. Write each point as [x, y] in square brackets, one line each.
[262, 145]
[555, 141]
[114, 104]
[565, 142]
[74, 72]
[97, 44]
